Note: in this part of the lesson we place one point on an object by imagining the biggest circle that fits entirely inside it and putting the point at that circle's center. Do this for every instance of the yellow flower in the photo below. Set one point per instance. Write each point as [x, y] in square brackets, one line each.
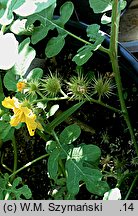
[21, 86]
[22, 114]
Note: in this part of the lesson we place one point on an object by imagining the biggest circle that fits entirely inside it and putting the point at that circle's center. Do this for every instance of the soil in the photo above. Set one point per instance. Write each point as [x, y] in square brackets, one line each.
[111, 134]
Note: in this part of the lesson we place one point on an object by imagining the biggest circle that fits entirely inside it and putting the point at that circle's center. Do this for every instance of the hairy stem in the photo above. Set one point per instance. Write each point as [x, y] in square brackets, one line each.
[28, 164]
[114, 60]
[105, 105]
[68, 98]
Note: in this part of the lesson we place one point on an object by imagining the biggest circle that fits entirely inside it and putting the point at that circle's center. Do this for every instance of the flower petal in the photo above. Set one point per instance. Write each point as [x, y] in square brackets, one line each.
[17, 118]
[30, 118]
[21, 86]
[10, 102]
[31, 125]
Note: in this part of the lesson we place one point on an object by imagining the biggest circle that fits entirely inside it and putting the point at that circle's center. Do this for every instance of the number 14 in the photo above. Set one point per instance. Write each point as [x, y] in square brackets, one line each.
[128, 206]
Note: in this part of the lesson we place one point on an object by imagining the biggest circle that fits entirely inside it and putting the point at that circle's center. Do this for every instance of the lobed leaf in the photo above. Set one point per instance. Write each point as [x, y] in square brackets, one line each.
[83, 55]
[47, 22]
[95, 35]
[75, 167]
[14, 191]
[44, 17]
[66, 11]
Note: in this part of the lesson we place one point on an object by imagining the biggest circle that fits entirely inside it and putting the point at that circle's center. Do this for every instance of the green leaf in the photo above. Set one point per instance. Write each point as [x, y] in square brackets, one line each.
[58, 120]
[74, 179]
[122, 4]
[92, 31]
[25, 57]
[55, 45]
[50, 146]
[14, 191]
[70, 134]
[97, 37]
[83, 55]
[10, 80]
[66, 11]
[44, 17]
[94, 183]
[91, 152]
[53, 163]
[30, 7]
[6, 131]
[85, 153]
[100, 6]
[47, 22]
[75, 167]
[35, 74]
[24, 190]
[3, 185]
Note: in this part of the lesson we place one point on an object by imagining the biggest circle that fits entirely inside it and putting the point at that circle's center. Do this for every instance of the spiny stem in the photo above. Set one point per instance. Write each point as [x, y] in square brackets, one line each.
[114, 60]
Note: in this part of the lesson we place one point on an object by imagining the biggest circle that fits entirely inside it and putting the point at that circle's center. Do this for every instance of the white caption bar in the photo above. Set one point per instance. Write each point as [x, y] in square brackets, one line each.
[69, 207]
